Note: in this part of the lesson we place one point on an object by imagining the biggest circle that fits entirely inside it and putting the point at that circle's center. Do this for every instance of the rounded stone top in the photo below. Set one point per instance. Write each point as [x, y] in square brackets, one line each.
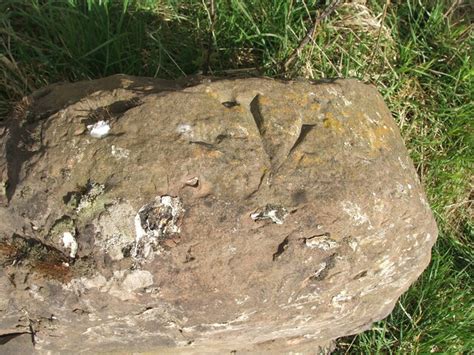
[206, 215]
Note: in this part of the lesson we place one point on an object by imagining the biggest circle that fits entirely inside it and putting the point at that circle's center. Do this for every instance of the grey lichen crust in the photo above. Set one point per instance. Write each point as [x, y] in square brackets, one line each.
[205, 216]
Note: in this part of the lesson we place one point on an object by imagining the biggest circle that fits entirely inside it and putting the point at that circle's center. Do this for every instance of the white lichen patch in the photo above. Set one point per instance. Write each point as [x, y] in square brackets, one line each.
[353, 244]
[402, 164]
[123, 284]
[156, 221]
[119, 153]
[355, 212]
[338, 300]
[185, 129]
[231, 249]
[228, 325]
[401, 189]
[242, 132]
[322, 242]
[115, 244]
[276, 214]
[379, 205]
[369, 289]
[332, 90]
[387, 267]
[242, 300]
[34, 291]
[319, 270]
[114, 230]
[370, 119]
[346, 101]
[192, 182]
[99, 129]
[423, 200]
[69, 242]
[427, 237]
[98, 281]
[136, 280]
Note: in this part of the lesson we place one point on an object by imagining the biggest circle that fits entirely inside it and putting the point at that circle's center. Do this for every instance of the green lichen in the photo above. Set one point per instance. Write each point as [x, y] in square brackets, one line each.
[3, 187]
[73, 199]
[87, 200]
[93, 208]
[62, 225]
[92, 191]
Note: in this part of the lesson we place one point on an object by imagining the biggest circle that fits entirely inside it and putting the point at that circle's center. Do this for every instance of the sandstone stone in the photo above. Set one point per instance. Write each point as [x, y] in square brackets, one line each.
[207, 216]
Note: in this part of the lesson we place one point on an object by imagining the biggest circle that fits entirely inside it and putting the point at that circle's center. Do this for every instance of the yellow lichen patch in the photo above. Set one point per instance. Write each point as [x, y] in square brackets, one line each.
[201, 152]
[309, 160]
[344, 113]
[296, 156]
[212, 93]
[378, 137]
[285, 110]
[297, 99]
[332, 122]
[372, 132]
[215, 154]
[264, 100]
[238, 109]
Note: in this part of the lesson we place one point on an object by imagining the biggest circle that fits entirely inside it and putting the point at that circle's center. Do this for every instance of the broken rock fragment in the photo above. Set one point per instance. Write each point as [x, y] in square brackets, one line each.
[205, 216]
[276, 214]
[154, 222]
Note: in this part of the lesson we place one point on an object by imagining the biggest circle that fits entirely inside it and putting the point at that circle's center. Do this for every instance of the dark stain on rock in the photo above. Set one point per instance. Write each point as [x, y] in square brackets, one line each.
[230, 104]
[24, 141]
[86, 239]
[360, 275]
[8, 253]
[299, 197]
[208, 203]
[56, 271]
[37, 256]
[72, 199]
[189, 256]
[206, 145]
[32, 250]
[122, 106]
[112, 111]
[42, 259]
[127, 250]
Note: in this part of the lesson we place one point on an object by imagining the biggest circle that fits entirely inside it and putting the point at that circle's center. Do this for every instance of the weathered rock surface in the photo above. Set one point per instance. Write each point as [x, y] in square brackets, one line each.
[246, 215]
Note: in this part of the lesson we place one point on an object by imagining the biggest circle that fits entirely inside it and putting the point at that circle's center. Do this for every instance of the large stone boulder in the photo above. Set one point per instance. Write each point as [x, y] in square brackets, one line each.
[205, 215]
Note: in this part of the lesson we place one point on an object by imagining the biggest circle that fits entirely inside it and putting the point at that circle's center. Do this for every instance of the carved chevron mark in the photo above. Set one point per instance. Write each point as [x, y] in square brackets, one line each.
[305, 129]
[257, 115]
[278, 132]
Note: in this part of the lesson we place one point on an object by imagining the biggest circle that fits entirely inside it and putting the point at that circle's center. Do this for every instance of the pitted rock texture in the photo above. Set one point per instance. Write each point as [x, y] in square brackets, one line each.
[205, 215]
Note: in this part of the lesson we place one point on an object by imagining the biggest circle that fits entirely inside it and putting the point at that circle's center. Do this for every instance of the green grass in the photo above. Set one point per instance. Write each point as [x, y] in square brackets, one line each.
[420, 59]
